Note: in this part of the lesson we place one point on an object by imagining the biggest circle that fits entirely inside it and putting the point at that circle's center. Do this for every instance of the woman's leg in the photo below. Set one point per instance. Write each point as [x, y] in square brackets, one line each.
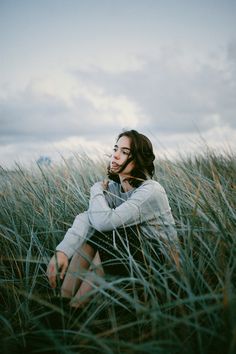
[78, 265]
[115, 248]
[88, 283]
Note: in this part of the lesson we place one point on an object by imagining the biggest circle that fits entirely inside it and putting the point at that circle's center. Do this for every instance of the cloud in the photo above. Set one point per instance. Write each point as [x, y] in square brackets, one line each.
[172, 96]
[175, 92]
[33, 115]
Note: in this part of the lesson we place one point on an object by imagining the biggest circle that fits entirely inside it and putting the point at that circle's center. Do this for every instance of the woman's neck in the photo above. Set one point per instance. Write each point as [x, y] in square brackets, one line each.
[124, 181]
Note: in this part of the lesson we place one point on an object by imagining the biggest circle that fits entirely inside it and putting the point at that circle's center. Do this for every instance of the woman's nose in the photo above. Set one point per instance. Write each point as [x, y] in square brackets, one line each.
[116, 154]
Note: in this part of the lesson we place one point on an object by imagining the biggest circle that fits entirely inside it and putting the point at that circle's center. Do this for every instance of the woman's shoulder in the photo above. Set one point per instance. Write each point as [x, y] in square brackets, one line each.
[154, 192]
[150, 189]
[152, 185]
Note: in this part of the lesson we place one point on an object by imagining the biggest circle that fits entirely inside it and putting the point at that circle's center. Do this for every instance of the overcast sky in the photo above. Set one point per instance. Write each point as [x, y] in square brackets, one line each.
[74, 73]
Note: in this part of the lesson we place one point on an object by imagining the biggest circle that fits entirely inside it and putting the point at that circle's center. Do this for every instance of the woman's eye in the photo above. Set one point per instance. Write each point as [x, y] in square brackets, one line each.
[125, 152]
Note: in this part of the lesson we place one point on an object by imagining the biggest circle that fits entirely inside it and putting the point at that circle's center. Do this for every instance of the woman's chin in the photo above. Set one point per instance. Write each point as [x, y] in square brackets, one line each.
[114, 170]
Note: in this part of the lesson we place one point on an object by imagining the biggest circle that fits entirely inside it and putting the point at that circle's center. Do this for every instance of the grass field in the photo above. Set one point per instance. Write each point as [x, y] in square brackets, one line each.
[190, 311]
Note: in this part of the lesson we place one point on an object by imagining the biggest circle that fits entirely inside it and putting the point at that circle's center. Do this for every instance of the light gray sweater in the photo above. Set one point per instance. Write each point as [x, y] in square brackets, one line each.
[146, 206]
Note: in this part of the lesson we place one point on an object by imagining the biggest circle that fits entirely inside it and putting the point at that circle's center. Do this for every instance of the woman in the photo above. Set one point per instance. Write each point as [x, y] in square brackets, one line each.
[122, 213]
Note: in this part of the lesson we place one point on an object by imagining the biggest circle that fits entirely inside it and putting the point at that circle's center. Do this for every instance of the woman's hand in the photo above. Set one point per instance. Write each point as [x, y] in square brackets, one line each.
[58, 263]
[105, 183]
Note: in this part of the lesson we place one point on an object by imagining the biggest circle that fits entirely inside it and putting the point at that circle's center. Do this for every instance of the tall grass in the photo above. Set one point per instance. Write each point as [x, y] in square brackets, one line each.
[157, 309]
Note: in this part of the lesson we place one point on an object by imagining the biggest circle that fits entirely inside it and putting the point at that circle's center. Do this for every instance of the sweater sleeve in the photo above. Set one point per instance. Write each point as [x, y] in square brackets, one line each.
[80, 230]
[76, 234]
[139, 208]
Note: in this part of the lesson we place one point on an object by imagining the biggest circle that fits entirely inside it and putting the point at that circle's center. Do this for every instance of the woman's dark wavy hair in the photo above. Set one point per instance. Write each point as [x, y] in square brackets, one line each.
[141, 154]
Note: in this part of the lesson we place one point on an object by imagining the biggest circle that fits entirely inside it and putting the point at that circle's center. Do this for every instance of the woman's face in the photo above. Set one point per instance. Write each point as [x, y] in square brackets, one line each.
[121, 153]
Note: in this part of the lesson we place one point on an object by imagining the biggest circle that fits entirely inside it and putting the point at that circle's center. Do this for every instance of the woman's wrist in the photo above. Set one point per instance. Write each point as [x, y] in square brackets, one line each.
[61, 252]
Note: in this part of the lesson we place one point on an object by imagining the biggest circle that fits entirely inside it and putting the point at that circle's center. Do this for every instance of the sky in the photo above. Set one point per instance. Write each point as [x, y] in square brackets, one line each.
[75, 73]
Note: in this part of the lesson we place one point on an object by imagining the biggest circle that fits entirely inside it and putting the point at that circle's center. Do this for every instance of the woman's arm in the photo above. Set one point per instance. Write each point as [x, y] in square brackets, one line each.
[76, 234]
[143, 205]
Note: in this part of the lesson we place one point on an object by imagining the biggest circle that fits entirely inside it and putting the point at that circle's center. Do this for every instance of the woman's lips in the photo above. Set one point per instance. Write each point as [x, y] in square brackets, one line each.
[115, 165]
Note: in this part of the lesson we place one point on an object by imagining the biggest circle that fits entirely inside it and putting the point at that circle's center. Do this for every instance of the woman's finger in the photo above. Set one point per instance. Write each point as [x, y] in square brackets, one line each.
[52, 277]
[105, 184]
[51, 273]
[63, 270]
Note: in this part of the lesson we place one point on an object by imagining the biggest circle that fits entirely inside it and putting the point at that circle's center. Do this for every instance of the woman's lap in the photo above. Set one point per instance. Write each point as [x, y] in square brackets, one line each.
[118, 248]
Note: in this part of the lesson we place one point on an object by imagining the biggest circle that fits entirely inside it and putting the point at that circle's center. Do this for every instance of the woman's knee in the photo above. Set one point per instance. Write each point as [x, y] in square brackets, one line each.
[67, 290]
